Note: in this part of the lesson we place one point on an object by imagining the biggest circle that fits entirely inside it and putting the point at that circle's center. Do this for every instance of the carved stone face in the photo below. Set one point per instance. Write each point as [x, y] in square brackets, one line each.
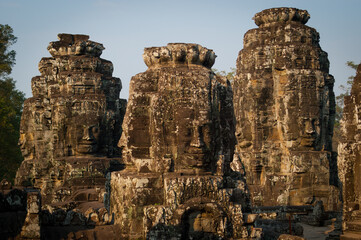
[194, 136]
[88, 142]
[308, 132]
[26, 145]
[300, 113]
[200, 137]
[84, 127]
[32, 130]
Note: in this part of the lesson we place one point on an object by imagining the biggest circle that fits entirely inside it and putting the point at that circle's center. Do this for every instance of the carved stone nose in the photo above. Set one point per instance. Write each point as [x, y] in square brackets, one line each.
[88, 134]
[309, 129]
[196, 139]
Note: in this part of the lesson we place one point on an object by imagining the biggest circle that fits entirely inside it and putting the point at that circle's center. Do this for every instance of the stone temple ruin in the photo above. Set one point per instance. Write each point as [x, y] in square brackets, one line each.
[191, 155]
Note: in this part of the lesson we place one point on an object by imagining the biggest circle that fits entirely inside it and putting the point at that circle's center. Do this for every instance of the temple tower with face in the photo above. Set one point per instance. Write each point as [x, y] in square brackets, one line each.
[178, 142]
[285, 107]
[69, 126]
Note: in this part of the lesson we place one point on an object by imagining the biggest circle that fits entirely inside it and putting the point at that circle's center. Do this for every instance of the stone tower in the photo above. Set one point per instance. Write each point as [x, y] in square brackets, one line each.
[178, 141]
[349, 159]
[69, 126]
[285, 108]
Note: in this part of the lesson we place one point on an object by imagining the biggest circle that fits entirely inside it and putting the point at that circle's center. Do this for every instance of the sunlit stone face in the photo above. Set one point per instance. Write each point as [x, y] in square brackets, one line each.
[84, 126]
[34, 129]
[83, 139]
[194, 138]
[26, 144]
[301, 129]
[309, 135]
[88, 143]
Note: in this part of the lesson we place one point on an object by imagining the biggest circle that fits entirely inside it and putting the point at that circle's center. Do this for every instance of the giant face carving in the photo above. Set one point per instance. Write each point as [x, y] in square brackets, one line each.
[308, 132]
[89, 140]
[34, 130]
[85, 126]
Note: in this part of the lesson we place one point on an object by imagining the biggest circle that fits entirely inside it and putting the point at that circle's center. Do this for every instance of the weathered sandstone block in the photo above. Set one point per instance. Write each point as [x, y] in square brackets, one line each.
[31, 226]
[285, 107]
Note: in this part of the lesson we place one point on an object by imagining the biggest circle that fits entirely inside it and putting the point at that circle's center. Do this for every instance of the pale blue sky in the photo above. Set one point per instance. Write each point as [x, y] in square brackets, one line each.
[126, 27]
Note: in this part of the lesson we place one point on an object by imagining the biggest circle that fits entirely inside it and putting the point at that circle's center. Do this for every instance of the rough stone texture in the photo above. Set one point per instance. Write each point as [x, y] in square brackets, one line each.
[109, 232]
[349, 160]
[69, 128]
[19, 214]
[12, 212]
[178, 142]
[285, 107]
[31, 226]
[290, 237]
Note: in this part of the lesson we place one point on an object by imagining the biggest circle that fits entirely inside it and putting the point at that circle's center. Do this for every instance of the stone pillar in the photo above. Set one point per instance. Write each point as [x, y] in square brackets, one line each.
[31, 226]
[68, 128]
[349, 158]
[178, 140]
[285, 107]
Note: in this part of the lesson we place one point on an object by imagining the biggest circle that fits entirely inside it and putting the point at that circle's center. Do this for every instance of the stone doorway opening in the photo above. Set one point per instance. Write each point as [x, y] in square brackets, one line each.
[206, 223]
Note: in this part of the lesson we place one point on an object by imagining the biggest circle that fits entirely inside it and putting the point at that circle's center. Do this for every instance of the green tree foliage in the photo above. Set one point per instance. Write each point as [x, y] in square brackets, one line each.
[7, 58]
[11, 102]
[229, 75]
[346, 90]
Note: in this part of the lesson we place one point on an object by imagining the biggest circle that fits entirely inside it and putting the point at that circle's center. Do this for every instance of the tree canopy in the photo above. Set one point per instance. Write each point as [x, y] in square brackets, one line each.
[229, 75]
[11, 103]
[346, 89]
[7, 57]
